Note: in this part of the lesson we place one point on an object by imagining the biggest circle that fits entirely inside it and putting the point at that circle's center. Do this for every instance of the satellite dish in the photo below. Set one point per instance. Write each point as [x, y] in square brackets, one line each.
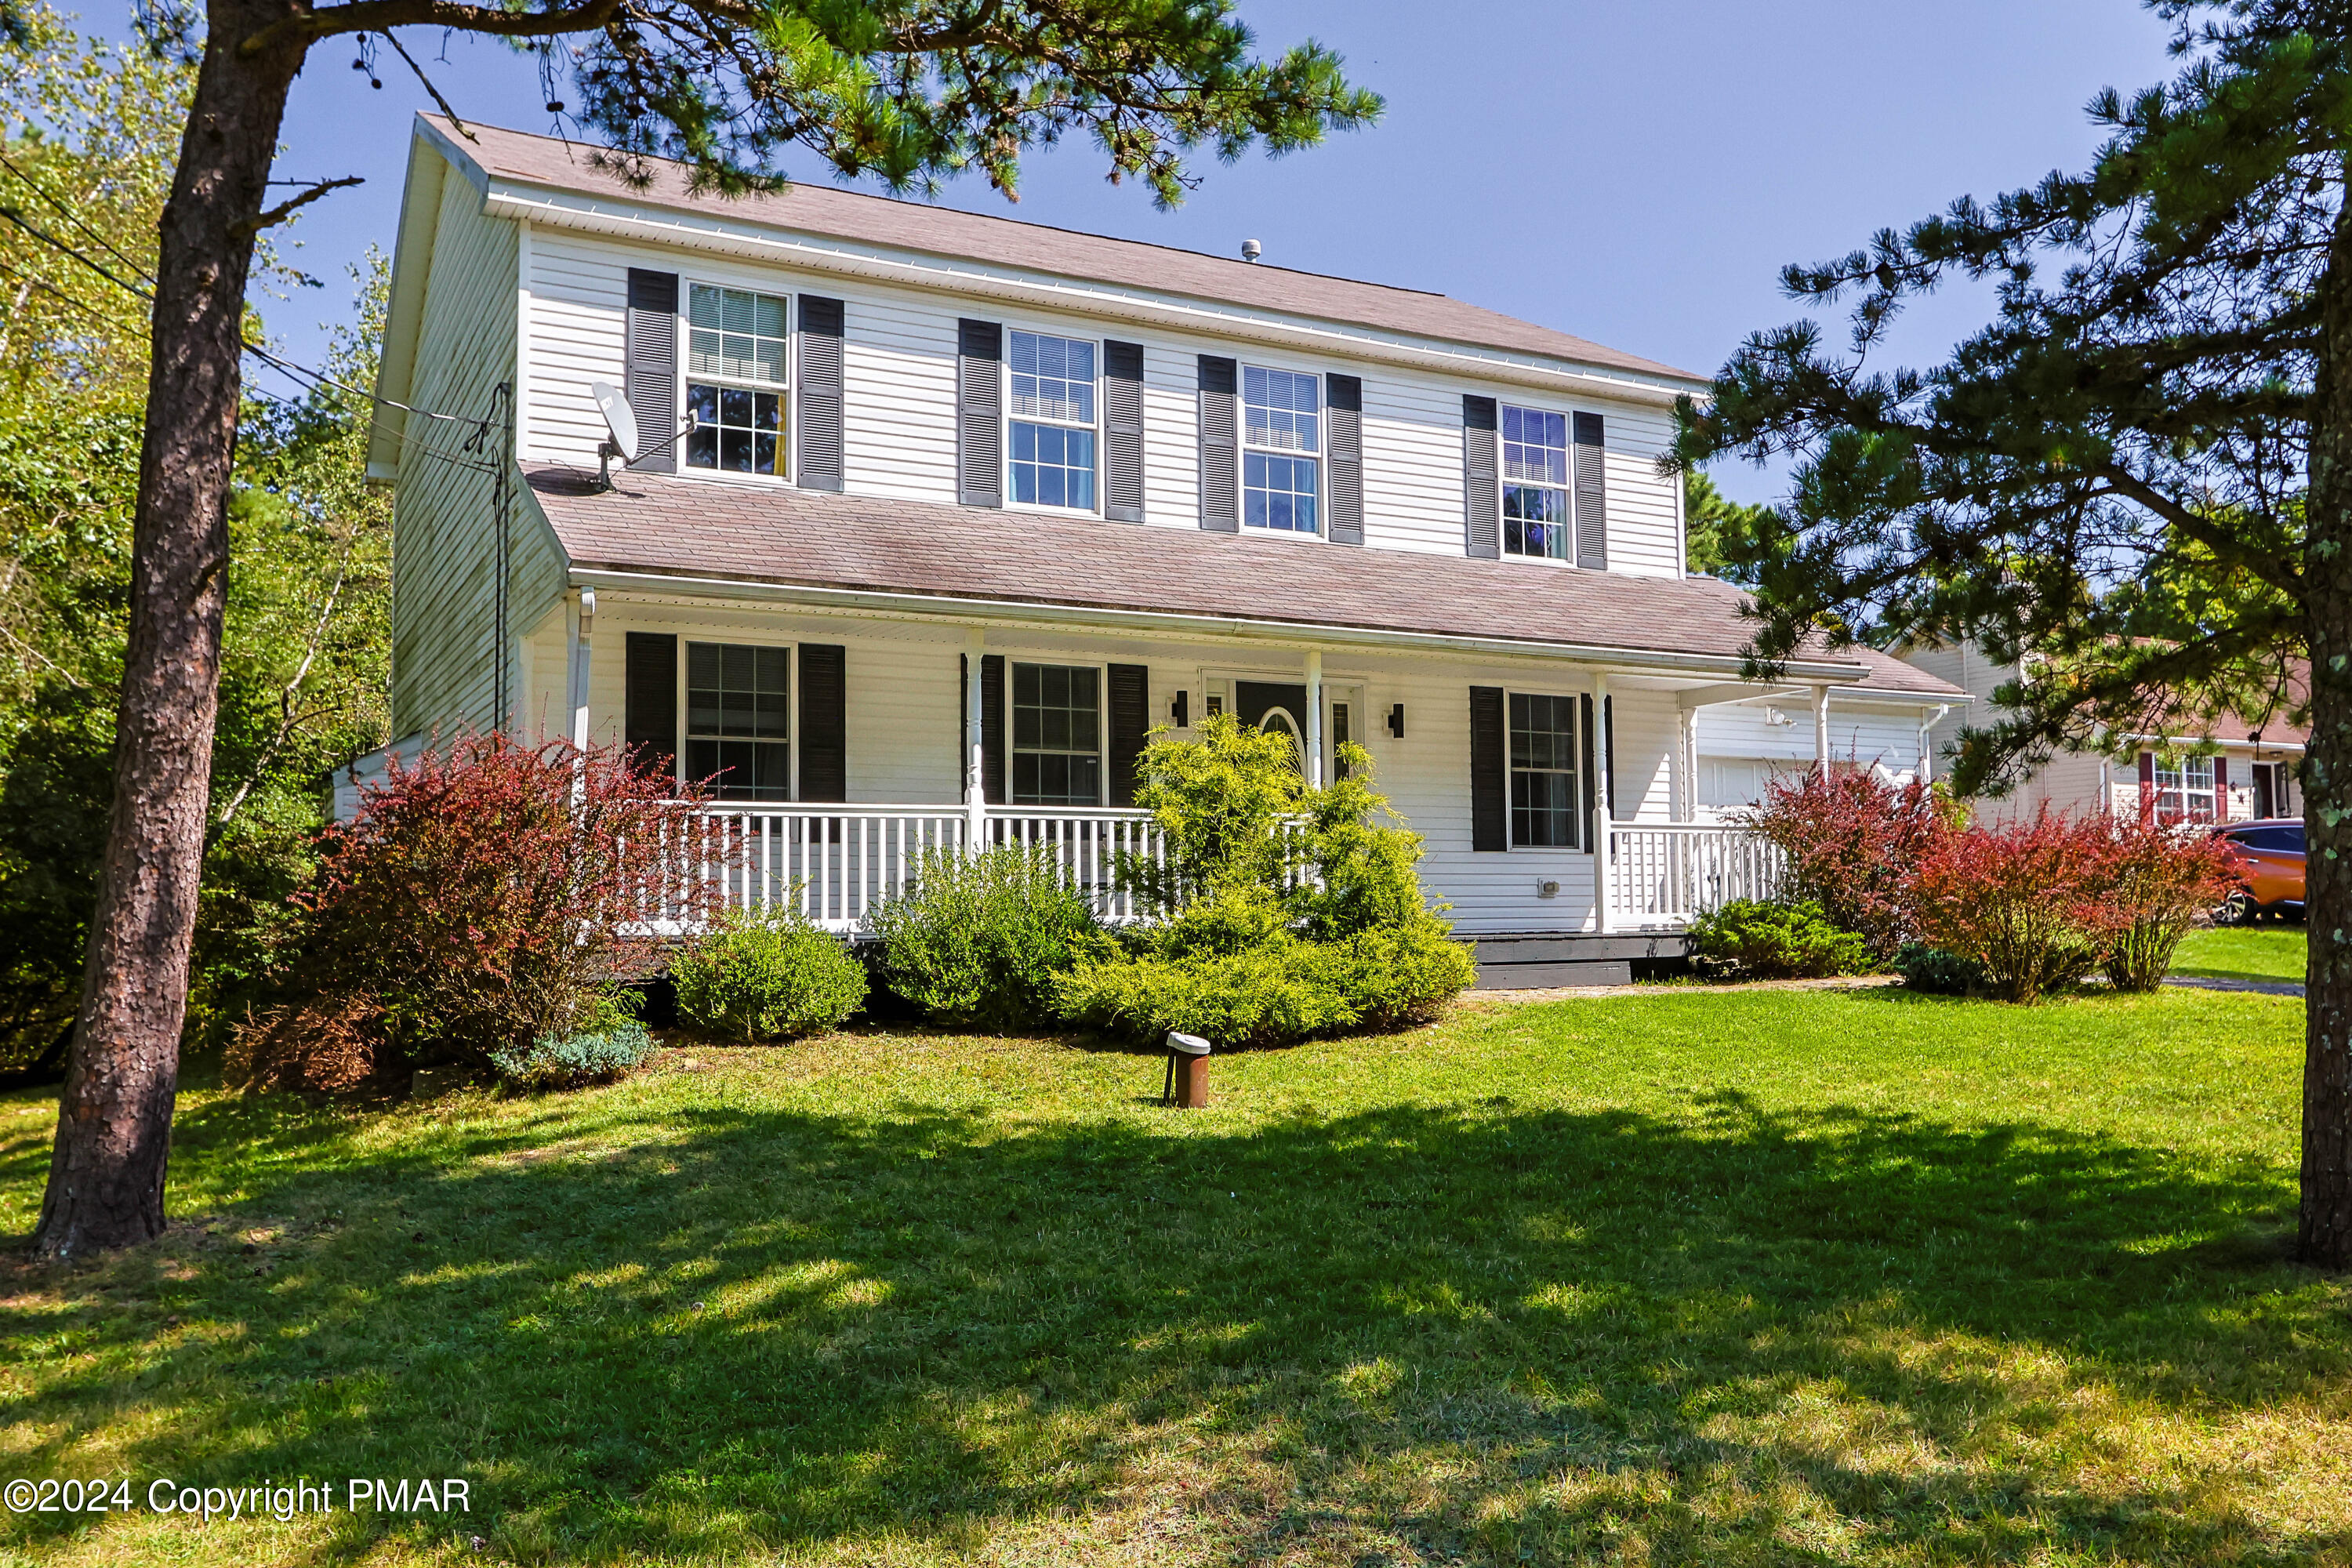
[619, 418]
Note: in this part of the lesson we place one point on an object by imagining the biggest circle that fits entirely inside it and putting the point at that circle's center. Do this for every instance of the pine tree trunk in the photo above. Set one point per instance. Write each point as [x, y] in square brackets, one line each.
[2324, 1233]
[114, 1123]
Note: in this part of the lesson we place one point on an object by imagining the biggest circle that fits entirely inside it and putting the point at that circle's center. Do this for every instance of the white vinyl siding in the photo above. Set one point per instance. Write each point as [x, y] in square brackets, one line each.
[899, 370]
[443, 635]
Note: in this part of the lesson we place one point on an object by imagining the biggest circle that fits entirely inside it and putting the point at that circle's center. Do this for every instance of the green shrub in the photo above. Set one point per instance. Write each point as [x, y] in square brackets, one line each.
[980, 939]
[766, 976]
[1271, 991]
[607, 1045]
[1937, 972]
[1280, 910]
[1760, 940]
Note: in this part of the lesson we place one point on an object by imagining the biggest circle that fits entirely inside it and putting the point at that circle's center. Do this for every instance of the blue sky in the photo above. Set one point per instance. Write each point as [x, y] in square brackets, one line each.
[1635, 175]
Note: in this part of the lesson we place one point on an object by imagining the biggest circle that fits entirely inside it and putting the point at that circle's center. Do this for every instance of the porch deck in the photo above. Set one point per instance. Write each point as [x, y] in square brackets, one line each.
[835, 862]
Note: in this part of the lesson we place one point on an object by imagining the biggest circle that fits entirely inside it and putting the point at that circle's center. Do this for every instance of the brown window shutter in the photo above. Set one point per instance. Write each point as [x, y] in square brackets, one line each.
[1490, 782]
[1123, 432]
[1221, 476]
[824, 723]
[650, 700]
[979, 414]
[1591, 478]
[1129, 699]
[820, 416]
[649, 367]
[1482, 498]
[1344, 396]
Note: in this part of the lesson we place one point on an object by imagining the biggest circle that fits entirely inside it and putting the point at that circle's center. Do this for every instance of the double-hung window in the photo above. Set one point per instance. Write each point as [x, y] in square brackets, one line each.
[735, 376]
[1543, 771]
[1535, 484]
[1056, 731]
[739, 719]
[1052, 421]
[1281, 419]
[2184, 789]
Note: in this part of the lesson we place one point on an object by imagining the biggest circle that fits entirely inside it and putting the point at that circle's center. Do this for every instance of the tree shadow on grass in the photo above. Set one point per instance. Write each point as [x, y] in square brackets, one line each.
[1505, 1332]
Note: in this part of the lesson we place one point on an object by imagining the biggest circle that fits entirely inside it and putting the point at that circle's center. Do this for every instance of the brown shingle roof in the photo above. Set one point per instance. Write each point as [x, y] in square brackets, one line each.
[688, 528]
[820, 210]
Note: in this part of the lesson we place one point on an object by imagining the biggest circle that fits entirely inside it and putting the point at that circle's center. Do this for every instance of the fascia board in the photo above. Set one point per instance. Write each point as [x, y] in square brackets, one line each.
[1632, 662]
[411, 268]
[668, 228]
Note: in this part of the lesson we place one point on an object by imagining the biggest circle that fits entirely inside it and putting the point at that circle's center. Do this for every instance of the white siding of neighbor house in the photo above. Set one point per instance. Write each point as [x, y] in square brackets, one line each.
[905, 727]
[443, 593]
[1739, 748]
[899, 363]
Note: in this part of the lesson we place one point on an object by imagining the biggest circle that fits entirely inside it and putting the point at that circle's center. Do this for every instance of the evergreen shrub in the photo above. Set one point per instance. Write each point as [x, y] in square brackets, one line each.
[608, 1046]
[978, 940]
[1937, 972]
[766, 975]
[1277, 911]
[1754, 939]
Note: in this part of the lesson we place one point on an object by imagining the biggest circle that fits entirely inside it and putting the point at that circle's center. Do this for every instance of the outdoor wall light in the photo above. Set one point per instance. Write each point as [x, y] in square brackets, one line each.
[1396, 720]
[1181, 711]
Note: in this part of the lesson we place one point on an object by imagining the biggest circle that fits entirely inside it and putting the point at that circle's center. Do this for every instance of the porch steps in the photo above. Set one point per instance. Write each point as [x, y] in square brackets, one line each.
[1526, 961]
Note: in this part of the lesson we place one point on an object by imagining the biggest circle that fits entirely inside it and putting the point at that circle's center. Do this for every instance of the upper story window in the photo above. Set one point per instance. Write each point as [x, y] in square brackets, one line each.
[739, 719]
[1053, 420]
[1535, 484]
[1543, 771]
[2184, 790]
[1057, 735]
[1281, 434]
[735, 376]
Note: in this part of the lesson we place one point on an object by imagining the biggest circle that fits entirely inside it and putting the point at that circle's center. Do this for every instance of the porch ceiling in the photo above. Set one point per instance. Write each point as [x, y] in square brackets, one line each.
[707, 536]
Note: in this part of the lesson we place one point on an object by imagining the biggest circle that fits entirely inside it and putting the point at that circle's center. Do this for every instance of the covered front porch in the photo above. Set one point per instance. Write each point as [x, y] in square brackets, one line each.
[863, 741]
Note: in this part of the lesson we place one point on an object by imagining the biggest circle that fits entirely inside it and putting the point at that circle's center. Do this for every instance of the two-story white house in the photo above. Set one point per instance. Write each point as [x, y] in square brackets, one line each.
[936, 516]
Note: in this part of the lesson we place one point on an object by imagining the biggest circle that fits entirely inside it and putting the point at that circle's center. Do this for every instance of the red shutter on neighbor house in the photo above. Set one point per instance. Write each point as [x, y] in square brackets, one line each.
[2148, 784]
[2220, 789]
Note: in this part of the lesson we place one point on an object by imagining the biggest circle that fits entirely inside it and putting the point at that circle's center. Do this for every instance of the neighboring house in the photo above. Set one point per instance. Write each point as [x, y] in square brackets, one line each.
[2223, 770]
[1882, 723]
[969, 506]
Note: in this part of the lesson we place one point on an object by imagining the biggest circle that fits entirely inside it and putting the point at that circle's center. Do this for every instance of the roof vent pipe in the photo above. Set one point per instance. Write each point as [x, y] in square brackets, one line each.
[1252, 250]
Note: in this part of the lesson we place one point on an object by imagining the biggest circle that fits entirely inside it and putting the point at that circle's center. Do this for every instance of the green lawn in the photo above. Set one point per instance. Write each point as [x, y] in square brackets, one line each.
[1785, 1277]
[2244, 953]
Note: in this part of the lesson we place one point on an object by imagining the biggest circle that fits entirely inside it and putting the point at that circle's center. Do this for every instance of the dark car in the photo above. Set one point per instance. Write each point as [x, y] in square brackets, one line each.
[2272, 850]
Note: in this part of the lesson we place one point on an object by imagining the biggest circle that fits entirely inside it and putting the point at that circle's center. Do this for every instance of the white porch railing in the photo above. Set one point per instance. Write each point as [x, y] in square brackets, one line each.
[1664, 873]
[836, 862]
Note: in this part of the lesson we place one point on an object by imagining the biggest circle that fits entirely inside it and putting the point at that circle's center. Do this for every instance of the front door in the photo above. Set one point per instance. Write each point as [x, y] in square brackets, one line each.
[1271, 705]
[2265, 797]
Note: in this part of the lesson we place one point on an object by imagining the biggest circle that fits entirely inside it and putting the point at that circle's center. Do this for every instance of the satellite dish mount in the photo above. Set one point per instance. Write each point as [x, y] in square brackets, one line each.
[621, 424]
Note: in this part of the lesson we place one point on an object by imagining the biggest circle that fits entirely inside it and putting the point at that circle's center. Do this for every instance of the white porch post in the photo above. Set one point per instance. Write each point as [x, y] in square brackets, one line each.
[975, 761]
[1603, 763]
[1822, 731]
[582, 626]
[1313, 758]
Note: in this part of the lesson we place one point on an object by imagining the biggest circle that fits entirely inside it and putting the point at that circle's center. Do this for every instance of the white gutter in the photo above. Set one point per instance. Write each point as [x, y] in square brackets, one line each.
[1293, 632]
[2193, 741]
[554, 208]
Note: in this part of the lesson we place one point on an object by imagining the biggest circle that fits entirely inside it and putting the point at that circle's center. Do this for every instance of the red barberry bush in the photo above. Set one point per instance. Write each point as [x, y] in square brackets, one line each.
[1854, 846]
[2150, 884]
[482, 897]
[2021, 899]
